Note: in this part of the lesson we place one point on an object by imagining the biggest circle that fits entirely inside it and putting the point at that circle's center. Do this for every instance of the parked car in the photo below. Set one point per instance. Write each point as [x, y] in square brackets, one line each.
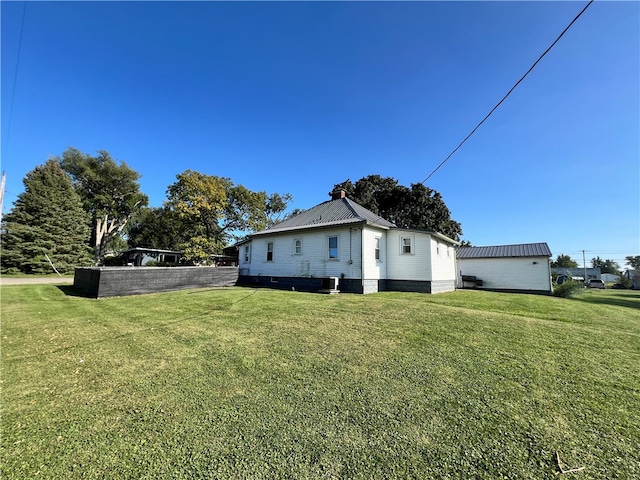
[595, 283]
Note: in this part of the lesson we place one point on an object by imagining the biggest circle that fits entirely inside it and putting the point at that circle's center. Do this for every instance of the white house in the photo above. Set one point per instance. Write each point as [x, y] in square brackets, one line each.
[513, 268]
[340, 245]
[634, 276]
[610, 278]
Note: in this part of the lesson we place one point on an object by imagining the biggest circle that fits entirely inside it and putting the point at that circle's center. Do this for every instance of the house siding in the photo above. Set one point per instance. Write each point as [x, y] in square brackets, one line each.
[430, 266]
[518, 274]
[313, 261]
[414, 266]
[373, 269]
[443, 261]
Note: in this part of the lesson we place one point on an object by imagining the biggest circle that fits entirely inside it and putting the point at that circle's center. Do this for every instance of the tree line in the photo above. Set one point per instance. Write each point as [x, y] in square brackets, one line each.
[78, 208]
[605, 265]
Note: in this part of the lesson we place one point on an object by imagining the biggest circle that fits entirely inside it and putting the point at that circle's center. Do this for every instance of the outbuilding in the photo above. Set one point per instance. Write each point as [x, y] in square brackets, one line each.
[510, 268]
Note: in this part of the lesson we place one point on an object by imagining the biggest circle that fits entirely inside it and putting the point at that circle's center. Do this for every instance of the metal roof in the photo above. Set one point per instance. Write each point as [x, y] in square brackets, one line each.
[332, 212]
[502, 251]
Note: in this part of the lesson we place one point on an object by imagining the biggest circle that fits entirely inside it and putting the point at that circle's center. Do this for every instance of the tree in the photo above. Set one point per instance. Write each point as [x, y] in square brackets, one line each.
[161, 228]
[218, 211]
[110, 193]
[47, 224]
[633, 262]
[564, 261]
[606, 266]
[415, 207]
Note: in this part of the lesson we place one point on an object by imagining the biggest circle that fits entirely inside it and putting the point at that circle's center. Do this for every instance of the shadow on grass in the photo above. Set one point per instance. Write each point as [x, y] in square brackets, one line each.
[624, 298]
[71, 291]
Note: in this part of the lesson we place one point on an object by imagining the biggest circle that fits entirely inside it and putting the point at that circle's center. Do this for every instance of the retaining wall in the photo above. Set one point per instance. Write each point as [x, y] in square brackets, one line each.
[101, 282]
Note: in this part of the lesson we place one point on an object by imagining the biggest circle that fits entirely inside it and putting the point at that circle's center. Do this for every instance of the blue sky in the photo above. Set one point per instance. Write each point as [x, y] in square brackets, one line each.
[297, 96]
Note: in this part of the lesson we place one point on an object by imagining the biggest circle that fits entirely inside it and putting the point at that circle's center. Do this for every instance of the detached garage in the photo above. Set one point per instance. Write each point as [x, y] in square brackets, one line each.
[512, 268]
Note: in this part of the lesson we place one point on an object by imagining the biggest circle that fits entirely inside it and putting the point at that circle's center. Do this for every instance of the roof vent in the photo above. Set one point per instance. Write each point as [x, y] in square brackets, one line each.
[338, 193]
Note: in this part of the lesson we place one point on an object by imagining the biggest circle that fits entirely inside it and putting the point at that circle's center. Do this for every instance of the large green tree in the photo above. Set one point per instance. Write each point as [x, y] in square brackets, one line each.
[159, 227]
[218, 211]
[110, 193]
[633, 261]
[408, 207]
[47, 226]
[606, 266]
[564, 261]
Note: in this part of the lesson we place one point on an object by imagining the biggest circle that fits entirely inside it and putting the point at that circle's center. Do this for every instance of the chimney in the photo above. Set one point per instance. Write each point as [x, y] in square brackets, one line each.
[338, 193]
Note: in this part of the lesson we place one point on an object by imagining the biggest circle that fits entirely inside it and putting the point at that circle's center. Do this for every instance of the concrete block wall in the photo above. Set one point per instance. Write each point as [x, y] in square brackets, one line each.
[101, 282]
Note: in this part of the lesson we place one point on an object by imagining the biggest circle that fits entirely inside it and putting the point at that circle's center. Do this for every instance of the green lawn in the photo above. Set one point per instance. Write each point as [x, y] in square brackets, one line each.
[254, 383]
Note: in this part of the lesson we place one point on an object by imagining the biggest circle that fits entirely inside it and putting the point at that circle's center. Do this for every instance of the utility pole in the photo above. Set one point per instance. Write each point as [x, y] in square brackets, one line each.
[4, 176]
[584, 265]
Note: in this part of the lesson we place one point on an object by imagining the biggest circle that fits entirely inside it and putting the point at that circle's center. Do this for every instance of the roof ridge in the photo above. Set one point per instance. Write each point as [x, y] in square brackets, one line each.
[505, 245]
[351, 207]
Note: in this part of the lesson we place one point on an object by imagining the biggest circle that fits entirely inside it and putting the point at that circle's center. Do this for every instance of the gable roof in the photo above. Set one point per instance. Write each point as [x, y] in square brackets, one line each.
[332, 212]
[504, 251]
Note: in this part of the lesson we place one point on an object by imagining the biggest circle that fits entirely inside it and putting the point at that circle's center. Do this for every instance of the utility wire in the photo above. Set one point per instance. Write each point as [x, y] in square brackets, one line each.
[508, 93]
[15, 81]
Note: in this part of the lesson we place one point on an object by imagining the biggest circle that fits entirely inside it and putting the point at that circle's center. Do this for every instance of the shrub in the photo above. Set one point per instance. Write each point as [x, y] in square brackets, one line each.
[625, 281]
[117, 261]
[568, 289]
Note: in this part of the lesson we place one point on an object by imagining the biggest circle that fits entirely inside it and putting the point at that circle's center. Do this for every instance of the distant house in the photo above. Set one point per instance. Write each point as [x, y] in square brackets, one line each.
[578, 273]
[610, 278]
[339, 245]
[513, 268]
[634, 276]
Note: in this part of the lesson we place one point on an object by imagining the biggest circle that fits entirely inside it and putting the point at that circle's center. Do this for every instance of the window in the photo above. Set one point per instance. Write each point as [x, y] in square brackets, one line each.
[333, 247]
[377, 248]
[406, 246]
[270, 252]
[437, 248]
[297, 247]
[247, 254]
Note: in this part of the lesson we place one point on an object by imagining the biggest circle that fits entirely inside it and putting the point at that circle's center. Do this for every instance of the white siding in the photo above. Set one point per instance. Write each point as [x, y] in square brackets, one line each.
[374, 269]
[524, 273]
[313, 261]
[413, 266]
[443, 260]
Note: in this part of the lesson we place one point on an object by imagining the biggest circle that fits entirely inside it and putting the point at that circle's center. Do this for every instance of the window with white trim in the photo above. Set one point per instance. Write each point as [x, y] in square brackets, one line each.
[297, 246]
[407, 246]
[376, 248]
[247, 254]
[270, 252]
[333, 248]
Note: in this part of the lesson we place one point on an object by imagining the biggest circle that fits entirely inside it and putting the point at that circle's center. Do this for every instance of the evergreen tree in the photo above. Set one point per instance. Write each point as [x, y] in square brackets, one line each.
[47, 220]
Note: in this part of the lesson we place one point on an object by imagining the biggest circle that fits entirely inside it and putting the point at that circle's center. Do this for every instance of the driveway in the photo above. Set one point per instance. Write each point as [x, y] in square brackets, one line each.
[33, 280]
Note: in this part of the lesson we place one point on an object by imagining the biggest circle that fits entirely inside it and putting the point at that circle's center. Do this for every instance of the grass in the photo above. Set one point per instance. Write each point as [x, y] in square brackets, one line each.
[246, 383]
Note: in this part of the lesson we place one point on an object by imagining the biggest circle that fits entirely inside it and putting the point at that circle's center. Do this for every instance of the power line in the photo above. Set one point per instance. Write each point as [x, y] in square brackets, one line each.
[508, 93]
[15, 80]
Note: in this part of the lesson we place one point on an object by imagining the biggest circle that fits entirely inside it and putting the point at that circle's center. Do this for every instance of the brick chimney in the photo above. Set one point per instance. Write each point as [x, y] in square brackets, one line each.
[338, 193]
